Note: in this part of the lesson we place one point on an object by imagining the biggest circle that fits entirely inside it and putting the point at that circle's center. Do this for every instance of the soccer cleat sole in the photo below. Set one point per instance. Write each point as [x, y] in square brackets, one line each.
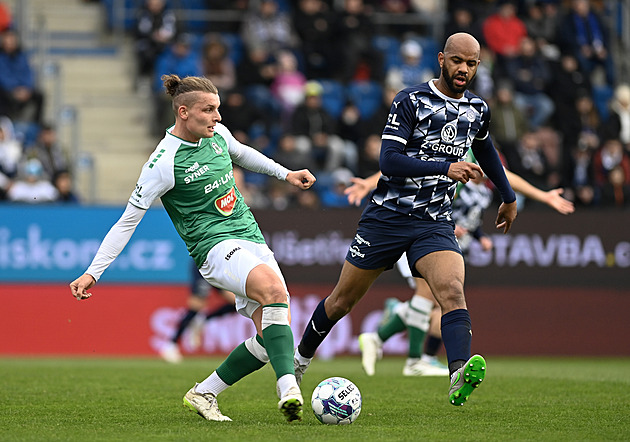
[292, 410]
[474, 374]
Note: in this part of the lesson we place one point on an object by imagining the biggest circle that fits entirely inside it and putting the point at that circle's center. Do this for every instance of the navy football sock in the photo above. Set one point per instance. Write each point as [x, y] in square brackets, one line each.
[183, 324]
[457, 336]
[315, 332]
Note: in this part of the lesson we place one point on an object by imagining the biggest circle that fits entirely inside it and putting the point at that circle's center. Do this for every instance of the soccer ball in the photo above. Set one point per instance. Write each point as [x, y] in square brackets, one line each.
[336, 401]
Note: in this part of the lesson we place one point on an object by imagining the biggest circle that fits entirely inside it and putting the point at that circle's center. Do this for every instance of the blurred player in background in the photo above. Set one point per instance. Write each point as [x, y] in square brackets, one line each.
[419, 316]
[428, 132]
[194, 319]
[191, 172]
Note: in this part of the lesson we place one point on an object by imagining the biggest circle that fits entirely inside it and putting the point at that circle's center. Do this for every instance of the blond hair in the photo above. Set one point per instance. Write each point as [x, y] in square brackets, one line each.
[183, 90]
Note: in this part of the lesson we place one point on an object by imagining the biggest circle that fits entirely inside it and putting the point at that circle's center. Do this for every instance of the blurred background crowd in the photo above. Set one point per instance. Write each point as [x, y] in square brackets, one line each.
[310, 83]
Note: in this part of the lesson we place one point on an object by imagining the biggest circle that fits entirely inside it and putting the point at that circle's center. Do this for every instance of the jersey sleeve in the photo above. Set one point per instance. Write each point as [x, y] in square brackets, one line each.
[156, 178]
[398, 130]
[251, 159]
[484, 132]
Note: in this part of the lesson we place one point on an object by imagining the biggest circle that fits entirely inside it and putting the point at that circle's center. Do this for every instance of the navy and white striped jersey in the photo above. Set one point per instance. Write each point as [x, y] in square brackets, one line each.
[426, 124]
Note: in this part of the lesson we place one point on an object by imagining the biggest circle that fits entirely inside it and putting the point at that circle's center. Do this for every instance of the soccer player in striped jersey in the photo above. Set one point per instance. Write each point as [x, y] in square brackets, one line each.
[191, 172]
[428, 133]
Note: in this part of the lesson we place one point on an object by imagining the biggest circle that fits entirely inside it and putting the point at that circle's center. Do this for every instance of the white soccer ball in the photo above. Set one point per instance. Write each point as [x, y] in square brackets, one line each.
[336, 401]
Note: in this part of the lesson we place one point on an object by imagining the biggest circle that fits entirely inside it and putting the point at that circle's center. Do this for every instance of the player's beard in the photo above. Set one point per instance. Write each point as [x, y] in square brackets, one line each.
[449, 81]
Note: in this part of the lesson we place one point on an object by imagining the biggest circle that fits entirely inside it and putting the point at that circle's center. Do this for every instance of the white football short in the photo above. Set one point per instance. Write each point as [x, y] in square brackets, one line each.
[228, 264]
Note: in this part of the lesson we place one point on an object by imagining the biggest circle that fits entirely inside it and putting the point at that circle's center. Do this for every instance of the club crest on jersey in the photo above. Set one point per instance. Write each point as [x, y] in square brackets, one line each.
[225, 204]
[449, 132]
[471, 115]
[216, 148]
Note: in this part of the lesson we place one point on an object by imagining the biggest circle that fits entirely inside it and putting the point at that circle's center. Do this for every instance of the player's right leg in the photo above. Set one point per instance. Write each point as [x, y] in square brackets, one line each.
[353, 283]
[248, 357]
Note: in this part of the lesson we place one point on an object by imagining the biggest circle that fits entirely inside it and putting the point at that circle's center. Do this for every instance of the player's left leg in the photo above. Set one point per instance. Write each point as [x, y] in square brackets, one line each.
[448, 288]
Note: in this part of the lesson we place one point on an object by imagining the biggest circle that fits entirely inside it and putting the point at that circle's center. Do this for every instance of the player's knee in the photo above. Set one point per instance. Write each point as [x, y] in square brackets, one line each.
[338, 307]
[449, 294]
[274, 292]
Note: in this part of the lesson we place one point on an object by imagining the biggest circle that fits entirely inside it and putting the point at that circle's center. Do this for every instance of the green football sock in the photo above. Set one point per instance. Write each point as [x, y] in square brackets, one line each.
[278, 338]
[239, 363]
[416, 339]
[394, 325]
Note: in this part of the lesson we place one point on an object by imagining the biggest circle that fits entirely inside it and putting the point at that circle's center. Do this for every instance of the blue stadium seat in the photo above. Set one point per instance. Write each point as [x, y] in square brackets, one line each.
[601, 98]
[234, 43]
[333, 96]
[367, 95]
[389, 48]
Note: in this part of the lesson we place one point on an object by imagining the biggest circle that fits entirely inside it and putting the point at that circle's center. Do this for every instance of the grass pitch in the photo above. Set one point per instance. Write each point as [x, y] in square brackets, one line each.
[141, 399]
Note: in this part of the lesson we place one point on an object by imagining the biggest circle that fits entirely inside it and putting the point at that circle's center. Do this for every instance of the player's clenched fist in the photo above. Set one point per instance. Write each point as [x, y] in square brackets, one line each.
[81, 285]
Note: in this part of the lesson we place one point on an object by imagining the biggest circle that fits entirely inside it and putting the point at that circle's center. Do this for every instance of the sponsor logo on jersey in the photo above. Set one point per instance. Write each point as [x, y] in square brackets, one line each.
[195, 173]
[193, 167]
[447, 149]
[225, 203]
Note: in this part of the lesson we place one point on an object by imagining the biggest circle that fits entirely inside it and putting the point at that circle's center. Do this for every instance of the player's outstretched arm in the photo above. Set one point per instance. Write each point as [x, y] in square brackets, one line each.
[302, 179]
[80, 286]
[552, 198]
[361, 187]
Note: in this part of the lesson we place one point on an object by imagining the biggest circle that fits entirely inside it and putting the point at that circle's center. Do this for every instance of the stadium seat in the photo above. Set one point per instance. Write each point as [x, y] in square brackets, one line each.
[367, 95]
[601, 98]
[333, 96]
[389, 47]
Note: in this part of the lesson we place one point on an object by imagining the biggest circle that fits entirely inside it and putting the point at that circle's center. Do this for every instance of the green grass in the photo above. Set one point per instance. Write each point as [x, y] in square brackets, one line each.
[140, 399]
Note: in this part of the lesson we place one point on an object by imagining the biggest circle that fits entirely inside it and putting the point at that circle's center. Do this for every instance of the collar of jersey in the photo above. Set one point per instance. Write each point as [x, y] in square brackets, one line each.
[189, 143]
[437, 91]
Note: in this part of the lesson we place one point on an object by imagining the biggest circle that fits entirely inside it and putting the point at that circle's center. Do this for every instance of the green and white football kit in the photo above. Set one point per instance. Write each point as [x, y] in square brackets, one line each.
[195, 182]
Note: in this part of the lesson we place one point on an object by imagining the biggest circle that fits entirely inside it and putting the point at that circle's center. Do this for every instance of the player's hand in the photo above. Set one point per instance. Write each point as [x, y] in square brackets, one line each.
[463, 171]
[506, 216]
[555, 201]
[460, 231]
[486, 243]
[357, 191]
[302, 179]
[80, 286]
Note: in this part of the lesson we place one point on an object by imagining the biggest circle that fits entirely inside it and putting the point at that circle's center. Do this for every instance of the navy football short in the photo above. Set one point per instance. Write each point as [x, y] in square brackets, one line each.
[383, 235]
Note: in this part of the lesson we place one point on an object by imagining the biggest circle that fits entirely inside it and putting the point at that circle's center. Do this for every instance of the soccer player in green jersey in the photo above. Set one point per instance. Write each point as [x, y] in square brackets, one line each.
[191, 172]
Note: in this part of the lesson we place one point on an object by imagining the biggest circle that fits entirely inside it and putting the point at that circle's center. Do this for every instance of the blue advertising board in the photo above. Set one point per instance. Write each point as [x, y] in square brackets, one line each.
[51, 243]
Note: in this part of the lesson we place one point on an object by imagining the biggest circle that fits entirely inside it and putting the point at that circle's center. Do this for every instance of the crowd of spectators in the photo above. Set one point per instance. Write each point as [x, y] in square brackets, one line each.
[34, 168]
[310, 83]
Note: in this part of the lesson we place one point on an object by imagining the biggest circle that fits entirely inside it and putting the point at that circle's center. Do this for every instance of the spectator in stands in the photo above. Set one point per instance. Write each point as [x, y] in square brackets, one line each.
[331, 193]
[530, 161]
[155, 29]
[579, 177]
[313, 20]
[618, 124]
[48, 151]
[288, 85]
[288, 154]
[568, 82]
[509, 123]
[62, 180]
[10, 152]
[483, 83]
[414, 69]
[542, 22]
[462, 19]
[504, 30]
[6, 19]
[609, 157]
[266, 26]
[356, 57]
[20, 98]
[315, 131]
[32, 185]
[369, 156]
[616, 191]
[584, 35]
[217, 65]
[178, 59]
[531, 75]
[245, 117]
